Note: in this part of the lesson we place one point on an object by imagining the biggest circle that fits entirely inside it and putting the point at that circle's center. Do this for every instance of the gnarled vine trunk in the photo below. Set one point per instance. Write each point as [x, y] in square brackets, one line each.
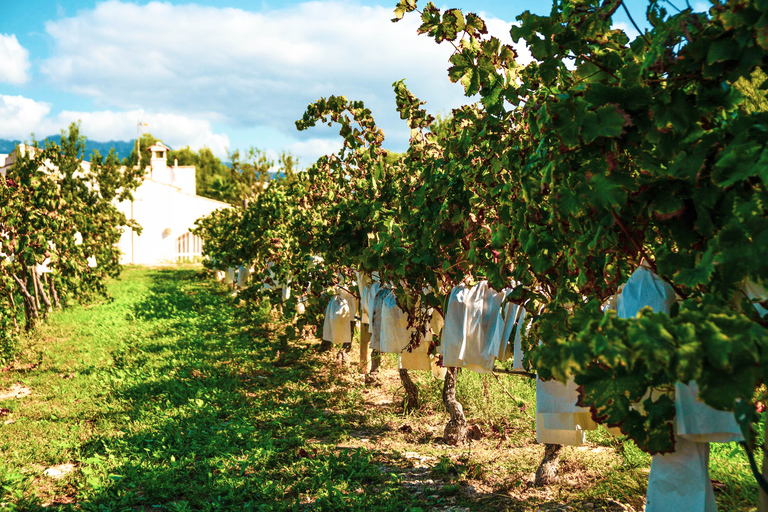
[30, 310]
[54, 294]
[411, 391]
[365, 342]
[13, 308]
[41, 289]
[456, 429]
[373, 376]
[547, 472]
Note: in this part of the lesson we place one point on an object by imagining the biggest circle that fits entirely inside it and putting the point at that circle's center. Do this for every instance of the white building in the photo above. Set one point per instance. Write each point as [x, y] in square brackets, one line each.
[165, 206]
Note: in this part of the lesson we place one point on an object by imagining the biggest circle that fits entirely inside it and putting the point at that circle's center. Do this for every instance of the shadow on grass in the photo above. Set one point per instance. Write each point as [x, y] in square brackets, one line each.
[206, 419]
[205, 412]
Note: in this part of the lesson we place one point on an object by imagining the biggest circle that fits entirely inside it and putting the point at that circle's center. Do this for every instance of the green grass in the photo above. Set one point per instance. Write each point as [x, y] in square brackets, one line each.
[163, 400]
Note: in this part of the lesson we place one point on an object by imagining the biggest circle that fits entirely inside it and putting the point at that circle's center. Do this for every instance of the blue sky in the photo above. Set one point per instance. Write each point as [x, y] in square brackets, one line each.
[228, 74]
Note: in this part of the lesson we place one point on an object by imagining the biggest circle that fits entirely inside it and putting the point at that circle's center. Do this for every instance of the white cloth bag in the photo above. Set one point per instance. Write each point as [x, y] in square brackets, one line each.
[419, 359]
[483, 328]
[558, 419]
[695, 420]
[337, 327]
[453, 330]
[395, 335]
[679, 480]
[376, 311]
[243, 273]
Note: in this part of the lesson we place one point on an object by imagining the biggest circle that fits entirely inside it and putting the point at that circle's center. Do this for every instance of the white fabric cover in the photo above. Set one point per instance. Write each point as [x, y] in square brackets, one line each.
[395, 334]
[420, 359]
[337, 326]
[243, 273]
[453, 330]
[680, 480]
[363, 287]
[351, 301]
[92, 262]
[695, 420]
[375, 326]
[43, 268]
[513, 315]
[756, 291]
[368, 295]
[476, 333]
[558, 419]
[286, 293]
[644, 288]
[483, 328]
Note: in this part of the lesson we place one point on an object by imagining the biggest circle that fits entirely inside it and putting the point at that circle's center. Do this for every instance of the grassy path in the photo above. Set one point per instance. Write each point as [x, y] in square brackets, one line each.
[159, 400]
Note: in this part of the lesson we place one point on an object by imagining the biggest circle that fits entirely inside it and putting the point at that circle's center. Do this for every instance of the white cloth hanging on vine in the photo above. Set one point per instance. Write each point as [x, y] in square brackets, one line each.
[375, 317]
[43, 268]
[483, 328]
[512, 322]
[286, 293]
[395, 335]
[337, 326]
[453, 330]
[364, 282]
[419, 358]
[694, 420]
[678, 480]
[229, 276]
[558, 419]
[243, 273]
[755, 291]
[351, 301]
[367, 296]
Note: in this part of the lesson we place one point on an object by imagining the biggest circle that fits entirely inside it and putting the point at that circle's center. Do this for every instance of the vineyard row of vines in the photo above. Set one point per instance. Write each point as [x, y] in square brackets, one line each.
[59, 229]
[564, 177]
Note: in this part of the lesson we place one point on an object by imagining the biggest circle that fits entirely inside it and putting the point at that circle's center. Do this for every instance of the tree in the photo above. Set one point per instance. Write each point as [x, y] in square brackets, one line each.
[251, 171]
[212, 177]
[132, 160]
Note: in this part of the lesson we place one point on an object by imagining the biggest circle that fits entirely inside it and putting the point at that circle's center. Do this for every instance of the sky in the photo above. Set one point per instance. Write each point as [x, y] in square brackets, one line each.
[226, 74]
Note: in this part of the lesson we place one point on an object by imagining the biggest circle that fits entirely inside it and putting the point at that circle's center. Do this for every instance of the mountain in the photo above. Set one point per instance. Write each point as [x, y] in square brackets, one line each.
[122, 148]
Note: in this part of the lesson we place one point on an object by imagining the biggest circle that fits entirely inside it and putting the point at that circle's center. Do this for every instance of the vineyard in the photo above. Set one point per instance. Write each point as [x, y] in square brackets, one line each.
[593, 227]
[613, 190]
[58, 231]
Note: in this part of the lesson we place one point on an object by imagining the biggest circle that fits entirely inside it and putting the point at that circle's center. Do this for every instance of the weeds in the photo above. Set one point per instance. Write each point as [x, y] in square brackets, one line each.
[164, 399]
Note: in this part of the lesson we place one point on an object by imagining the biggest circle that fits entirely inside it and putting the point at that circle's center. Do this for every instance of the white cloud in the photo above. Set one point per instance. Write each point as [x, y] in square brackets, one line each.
[249, 68]
[14, 60]
[22, 116]
[175, 130]
[310, 150]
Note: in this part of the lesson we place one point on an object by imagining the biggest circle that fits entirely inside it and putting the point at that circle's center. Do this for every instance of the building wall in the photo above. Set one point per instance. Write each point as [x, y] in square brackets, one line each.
[165, 206]
[164, 213]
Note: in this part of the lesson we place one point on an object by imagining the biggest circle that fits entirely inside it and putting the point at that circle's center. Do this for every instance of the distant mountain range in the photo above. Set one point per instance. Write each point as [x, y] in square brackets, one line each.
[122, 148]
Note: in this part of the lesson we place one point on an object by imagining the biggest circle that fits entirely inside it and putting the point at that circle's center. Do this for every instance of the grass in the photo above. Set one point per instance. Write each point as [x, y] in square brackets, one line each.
[162, 399]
